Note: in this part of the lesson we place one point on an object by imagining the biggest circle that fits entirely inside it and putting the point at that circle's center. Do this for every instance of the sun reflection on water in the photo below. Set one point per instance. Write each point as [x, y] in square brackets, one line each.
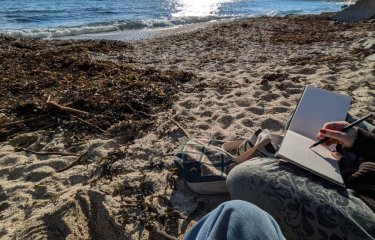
[198, 8]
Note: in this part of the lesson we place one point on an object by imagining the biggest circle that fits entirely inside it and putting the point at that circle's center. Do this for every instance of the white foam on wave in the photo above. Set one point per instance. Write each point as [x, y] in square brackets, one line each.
[103, 27]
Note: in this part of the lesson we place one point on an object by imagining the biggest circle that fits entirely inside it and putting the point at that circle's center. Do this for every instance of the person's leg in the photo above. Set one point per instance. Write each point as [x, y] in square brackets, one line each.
[304, 205]
[236, 220]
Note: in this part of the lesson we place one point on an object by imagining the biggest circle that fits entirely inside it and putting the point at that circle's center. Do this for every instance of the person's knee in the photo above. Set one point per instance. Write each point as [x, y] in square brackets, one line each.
[238, 210]
[240, 178]
[237, 176]
[248, 180]
[236, 205]
[244, 217]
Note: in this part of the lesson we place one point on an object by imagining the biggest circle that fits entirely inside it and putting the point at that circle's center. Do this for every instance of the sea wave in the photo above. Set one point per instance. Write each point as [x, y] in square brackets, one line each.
[102, 27]
[282, 13]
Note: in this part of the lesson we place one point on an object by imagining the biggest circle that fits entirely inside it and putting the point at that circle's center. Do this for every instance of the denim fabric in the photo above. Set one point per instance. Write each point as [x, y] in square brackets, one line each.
[237, 220]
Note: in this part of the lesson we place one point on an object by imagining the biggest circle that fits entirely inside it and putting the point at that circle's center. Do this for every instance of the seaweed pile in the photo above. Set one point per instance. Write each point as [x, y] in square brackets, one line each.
[87, 77]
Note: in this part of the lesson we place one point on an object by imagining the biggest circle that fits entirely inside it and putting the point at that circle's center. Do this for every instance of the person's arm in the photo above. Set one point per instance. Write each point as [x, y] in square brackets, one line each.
[364, 145]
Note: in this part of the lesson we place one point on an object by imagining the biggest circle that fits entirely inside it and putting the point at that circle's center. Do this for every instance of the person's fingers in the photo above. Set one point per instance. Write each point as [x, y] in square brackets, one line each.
[330, 142]
[320, 136]
[340, 136]
[335, 125]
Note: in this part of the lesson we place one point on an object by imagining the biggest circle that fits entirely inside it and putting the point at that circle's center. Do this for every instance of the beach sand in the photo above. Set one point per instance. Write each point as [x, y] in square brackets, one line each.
[220, 81]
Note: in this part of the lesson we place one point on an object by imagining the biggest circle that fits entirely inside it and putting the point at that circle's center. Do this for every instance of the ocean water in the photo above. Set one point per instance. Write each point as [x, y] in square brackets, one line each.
[62, 18]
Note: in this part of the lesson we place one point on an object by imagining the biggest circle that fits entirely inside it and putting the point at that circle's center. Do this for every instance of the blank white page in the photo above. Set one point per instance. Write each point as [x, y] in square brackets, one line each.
[295, 148]
[316, 107]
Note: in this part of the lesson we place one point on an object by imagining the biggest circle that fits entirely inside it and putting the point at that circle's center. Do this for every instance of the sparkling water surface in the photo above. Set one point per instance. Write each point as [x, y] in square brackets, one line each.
[54, 18]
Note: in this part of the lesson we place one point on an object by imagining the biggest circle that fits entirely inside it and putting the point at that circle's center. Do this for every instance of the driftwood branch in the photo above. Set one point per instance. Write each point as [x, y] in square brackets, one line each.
[15, 123]
[47, 153]
[47, 126]
[141, 112]
[180, 127]
[55, 105]
[75, 162]
[165, 235]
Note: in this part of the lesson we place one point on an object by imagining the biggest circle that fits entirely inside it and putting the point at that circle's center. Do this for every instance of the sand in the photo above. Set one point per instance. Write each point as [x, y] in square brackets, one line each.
[249, 75]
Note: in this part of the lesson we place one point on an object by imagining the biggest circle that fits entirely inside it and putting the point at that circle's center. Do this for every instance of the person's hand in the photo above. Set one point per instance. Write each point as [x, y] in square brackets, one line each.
[332, 131]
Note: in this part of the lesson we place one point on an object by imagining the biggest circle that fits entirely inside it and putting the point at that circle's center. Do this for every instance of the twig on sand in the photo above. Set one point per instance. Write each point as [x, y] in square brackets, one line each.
[90, 124]
[144, 113]
[180, 127]
[46, 153]
[15, 123]
[47, 126]
[55, 105]
[165, 235]
[75, 162]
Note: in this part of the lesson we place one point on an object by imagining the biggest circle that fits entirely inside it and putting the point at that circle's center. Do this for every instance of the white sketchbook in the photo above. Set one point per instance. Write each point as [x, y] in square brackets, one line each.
[316, 107]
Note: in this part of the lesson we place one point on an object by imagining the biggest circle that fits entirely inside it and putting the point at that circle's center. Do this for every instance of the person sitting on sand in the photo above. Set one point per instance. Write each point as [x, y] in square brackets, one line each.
[306, 206]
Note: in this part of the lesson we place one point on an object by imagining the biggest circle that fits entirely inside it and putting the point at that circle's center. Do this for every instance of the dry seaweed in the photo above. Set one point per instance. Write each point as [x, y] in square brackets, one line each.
[311, 29]
[140, 205]
[112, 93]
[277, 77]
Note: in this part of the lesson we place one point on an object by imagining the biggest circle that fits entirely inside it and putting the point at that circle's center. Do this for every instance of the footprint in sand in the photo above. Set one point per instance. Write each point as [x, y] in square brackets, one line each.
[39, 174]
[220, 104]
[191, 118]
[200, 96]
[3, 206]
[16, 173]
[24, 140]
[256, 94]
[256, 110]
[219, 97]
[54, 164]
[307, 71]
[40, 192]
[203, 126]
[243, 102]
[218, 135]
[272, 124]
[238, 93]
[247, 123]
[225, 121]
[76, 179]
[223, 74]
[240, 115]
[266, 87]
[270, 96]
[293, 91]
[332, 78]
[206, 114]
[287, 84]
[9, 160]
[279, 110]
[285, 103]
[3, 195]
[188, 104]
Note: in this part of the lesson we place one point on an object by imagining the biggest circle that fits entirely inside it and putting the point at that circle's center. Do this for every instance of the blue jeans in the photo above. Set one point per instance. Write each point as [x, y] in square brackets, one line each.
[238, 220]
